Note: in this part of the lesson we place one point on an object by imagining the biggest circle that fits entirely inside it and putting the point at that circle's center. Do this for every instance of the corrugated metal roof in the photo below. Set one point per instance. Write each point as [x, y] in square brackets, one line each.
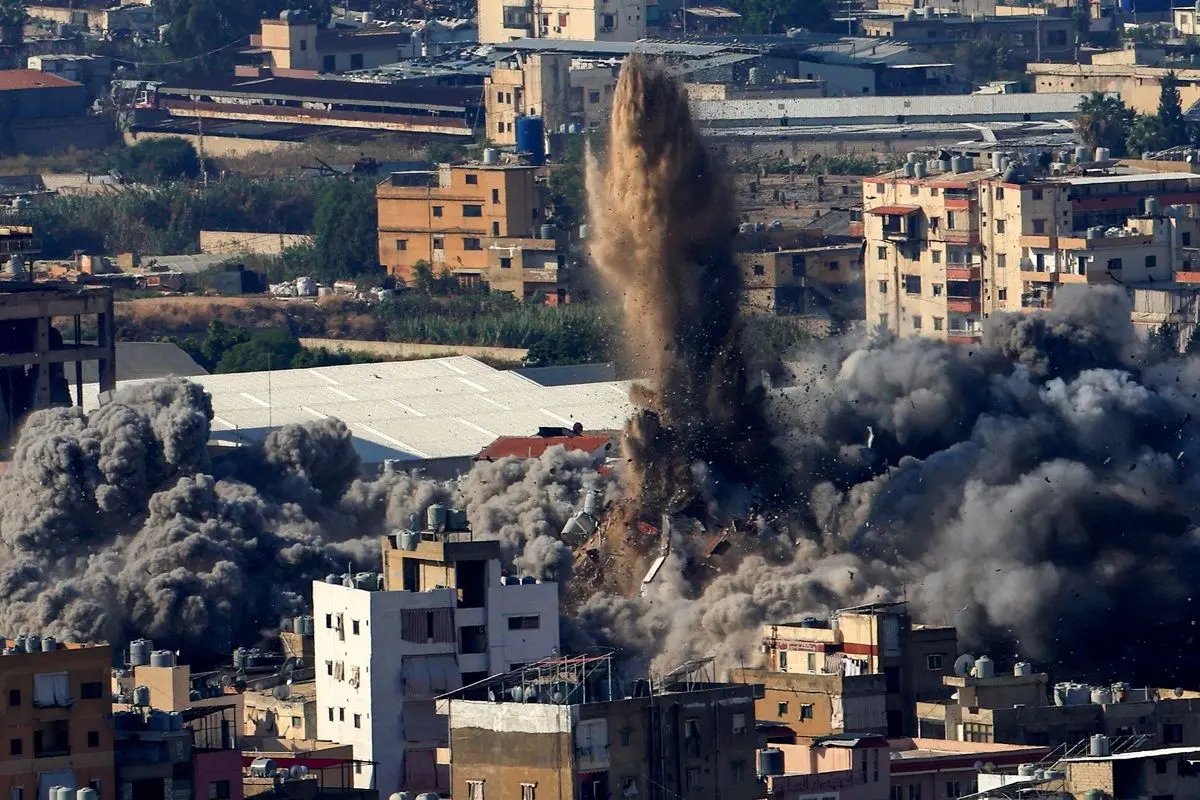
[409, 410]
[14, 79]
[815, 109]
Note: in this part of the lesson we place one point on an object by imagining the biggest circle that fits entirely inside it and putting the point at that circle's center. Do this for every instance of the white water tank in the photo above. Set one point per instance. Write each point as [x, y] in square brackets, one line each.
[1022, 669]
[1098, 746]
[984, 667]
[1103, 154]
[1102, 696]
[1026, 770]
[491, 155]
[919, 170]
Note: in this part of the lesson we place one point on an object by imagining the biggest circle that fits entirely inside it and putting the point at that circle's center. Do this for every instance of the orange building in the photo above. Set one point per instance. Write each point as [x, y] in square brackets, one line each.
[56, 725]
[455, 217]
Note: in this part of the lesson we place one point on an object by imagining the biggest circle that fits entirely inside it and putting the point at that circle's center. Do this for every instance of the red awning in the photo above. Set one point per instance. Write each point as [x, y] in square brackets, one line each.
[889, 211]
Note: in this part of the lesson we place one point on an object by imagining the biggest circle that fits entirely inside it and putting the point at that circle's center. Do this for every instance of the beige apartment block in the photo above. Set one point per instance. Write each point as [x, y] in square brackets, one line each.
[581, 20]
[562, 89]
[1136, 84]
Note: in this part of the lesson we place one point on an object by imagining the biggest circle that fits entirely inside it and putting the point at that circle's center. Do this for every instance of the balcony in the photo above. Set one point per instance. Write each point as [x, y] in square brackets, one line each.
[964, 272]
[964, 337]
[1037, 302]
[899, 222]
[964, 305]
[1187, 277]
[960, 236]
[20, 244]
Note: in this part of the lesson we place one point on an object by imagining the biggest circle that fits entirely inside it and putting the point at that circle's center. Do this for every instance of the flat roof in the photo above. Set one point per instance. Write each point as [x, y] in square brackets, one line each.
[1129, 177]
[395, 93]
[406, 410]
[650, 47]
[1135, 755]
[936, 107]
[12, 80]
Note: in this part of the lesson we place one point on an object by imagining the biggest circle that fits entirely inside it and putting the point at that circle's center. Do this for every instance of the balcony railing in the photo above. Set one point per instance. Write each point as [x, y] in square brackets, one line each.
[22, 245]
[964, 272]
[963, 305]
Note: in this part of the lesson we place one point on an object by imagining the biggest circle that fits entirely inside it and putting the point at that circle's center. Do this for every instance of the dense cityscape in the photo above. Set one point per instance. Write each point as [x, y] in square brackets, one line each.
[441, 400]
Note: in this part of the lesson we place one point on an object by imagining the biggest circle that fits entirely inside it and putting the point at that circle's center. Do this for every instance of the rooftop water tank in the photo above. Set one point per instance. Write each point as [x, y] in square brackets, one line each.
[1083, 154]
[400, 796]
[162, 658]
[531, 139]
[141, 695]
[491, 155]
[1026, 770]
[1022, 669]
[1098, 746]
[262, 767]
[49, 644]
[33, 644]
[435, 517]
[927, 12]
[546, 232]
[770, 761]
[1103, 154]
[984, 667]
[913, 158]
[909, 169]
[414, 521]
[331, 578]
[1102, 696]
[1152, 206]
[87, 793]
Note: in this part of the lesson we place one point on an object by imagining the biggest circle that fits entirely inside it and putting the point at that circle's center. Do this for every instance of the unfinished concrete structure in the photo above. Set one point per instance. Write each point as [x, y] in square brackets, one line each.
[33, 352]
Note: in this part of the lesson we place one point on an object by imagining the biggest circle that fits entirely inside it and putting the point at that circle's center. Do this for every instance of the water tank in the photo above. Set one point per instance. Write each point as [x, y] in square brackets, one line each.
[1120, 692]
[510, 580]
[1026, 770]
[239, 657]
[175, 720]
[298, 626]
[400, 796]
[33, 644]
[997, 161]
[491, 155]
[756, 76]
[984, 667]
[262, 767]
[87, 793]
[910, 14]
[591, 503]
[348, 580]
[331, 578]
[546, 232]
[963, 164]
[1083, 154]
[409, 540]
[428, 796]
[531, 139]
[1103, 154]
[770, 761]
[584, 231]
[19, 644]
[927, 12]
[306, 287]
[141, 695]
[1098, 746]
[435, 517]
[1022, 669]
[1101, 696]
[909, 169]
[139, 652]
[1153, 206]
[1095, 232]
[162, 658]
[367, 580]
[456, 518]
[1039, 774]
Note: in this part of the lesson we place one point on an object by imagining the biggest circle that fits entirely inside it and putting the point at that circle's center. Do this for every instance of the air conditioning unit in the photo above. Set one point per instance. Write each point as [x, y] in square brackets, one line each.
[557, 29]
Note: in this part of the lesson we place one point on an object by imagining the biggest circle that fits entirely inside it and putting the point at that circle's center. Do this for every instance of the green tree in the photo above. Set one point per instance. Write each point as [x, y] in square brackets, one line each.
[1170, 112]
[270, 350]
[777, 16]
[346, 230]
[12, 22]
[158, 160]
[1103, 121]
[983, 58]
[445, 152]
[1145, 135]
[565, 192]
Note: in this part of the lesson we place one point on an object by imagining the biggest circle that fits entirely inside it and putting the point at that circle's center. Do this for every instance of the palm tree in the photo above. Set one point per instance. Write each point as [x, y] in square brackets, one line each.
[12, 22]
[1103, 121]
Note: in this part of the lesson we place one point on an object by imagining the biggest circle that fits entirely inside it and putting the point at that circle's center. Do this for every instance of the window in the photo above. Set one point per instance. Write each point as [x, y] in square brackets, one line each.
[883, 322]
[1187, 238]
[1172, 733]
[15, 746]
[297, 722]
[879, 187]
[914, 189]
[93, 738]
[1160, 766]
[328, 667]
[1114, 264]
[354, 627]
[936, 255]
[358, 768]
[495, 228]
[499, 97]
[1039, 226]
[937, 323]
[472, 210]
[1002, 295]
[51, 690]
[935, 223]
[329, 620]
[916, 322]
[912, 284]
[759, 270]
[834, 266]
[883, 287]
[16, 793]
[1001, 260]
[339, 670]
[437, 211]
[474, 790]
[933, 661]
[401, 246]
[999, 192]
[329, 64]
[91, 690]
[950, 220]
[897, 793]
[1151, 262]
[693, 779]
[593, 97]
[739, 724]
[783, 660]
[331, 713]
[356, 61]
[505, 262]
[999, 229]
[953, 790]
[471, 243]
[358, 720]
[218, 790]
[933, 191]
[439, 243]
[914, 791]
[783, 708]
[806, 711]
[1039, 262]
[526, 623]
[609, 21]
[937, 289]
[528, 791]
[737, 771]
[812, 662]
[1036, 194]
[303, 44]
[881, 253]
[472, 179]
[341, 714]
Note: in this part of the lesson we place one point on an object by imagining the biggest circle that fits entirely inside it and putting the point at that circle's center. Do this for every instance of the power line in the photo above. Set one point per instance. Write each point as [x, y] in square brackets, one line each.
[235, 42]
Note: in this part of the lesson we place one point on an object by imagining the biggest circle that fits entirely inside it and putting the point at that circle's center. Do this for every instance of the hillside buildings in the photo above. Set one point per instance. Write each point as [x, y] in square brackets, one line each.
[440, 616]
[826, 279]
[568, 729]
[1138, 85]
[562, 88]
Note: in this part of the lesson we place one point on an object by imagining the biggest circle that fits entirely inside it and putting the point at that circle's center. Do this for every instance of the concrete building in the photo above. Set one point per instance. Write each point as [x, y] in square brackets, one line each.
[825, 280]
[441, 615]
[293, 45]
[945, 250]
[290, 717]
[582, 20]
[871, 640]
[812, 705]
[164, 756]
[94, 72]
[453, 219]
[576, 733]
[1031, 37]
[1137, 85]
[33, 354]
[56, 718]
[97, 16]
[562, 88]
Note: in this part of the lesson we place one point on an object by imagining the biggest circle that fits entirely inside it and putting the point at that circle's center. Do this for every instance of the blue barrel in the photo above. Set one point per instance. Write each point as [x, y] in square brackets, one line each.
[531, 139]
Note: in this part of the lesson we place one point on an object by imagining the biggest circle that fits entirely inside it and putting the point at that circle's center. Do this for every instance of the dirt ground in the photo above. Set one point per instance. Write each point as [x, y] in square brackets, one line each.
[148, 317]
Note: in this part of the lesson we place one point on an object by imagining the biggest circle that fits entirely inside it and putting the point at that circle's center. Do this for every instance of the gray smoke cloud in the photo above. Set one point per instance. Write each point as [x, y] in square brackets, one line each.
[117, 523]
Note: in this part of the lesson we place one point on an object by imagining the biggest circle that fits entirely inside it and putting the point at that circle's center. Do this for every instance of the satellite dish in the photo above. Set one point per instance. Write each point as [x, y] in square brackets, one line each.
[1178, 691]
[979, 766]
[963, 665]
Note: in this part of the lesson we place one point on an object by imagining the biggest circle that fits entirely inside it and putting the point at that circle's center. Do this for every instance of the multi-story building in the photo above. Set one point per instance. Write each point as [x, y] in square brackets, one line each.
[1030, 37]
[440, 616]
[296, 46]
[1139, 85]
[567, 729]
[56, 718]
[455, 217]
[856, 643]
[586, 20]
[287, 715]
[562, 88]
[827, 279]
[945, 250]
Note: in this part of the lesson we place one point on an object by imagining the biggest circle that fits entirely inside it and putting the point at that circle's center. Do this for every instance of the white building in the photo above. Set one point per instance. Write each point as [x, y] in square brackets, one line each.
[441, 615]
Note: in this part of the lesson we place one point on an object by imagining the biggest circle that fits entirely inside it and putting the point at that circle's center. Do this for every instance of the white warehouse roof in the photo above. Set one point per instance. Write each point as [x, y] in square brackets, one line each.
[847, 110]
[428, 410]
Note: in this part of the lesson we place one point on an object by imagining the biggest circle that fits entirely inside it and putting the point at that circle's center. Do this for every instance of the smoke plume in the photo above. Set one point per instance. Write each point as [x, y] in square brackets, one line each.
[663, 240]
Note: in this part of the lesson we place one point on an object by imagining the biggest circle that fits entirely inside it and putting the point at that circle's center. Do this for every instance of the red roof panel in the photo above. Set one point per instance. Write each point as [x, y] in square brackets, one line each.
[902, 211]
[534, 446]
[13, 79]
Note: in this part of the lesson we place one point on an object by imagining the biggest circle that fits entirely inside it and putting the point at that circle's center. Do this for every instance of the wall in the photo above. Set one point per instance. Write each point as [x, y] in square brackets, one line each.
[169, 687]
[406, 350]
[212, 766]
[508, 647]
[837, 703]
[1138, 86]
[218, 146]
[250, 242]
[506, 747]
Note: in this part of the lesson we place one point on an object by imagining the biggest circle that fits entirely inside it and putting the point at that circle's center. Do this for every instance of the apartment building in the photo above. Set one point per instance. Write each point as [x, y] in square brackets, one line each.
[562, 88]
[864, 642]
[1138, 85]
[56, 725]
[441, 615]
[475, 221]
[825, 280]
[296, 46]
[945, 250]
[568, 729]
[1030, 37]
[584, 20]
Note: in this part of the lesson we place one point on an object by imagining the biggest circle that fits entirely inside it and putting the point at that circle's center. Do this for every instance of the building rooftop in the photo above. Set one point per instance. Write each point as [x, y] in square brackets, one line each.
[396, 93]
[657, 47]
[713, 12]
[935, 107]
[1135, 755]
[534, 446]
[17, 79]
